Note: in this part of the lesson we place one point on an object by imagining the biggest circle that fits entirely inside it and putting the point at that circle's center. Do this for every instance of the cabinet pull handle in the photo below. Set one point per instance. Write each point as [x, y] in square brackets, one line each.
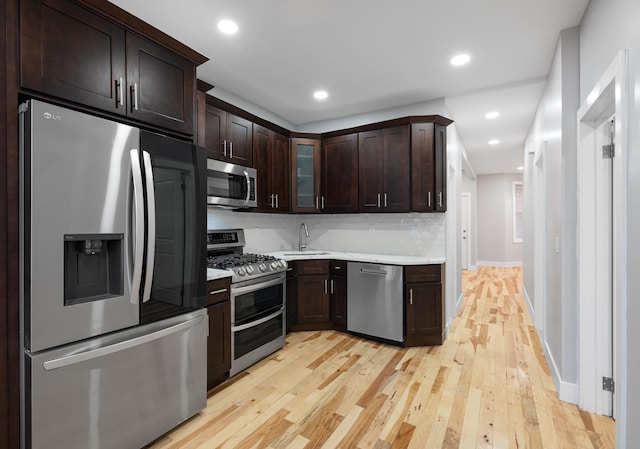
[326, 289]
[231, 150]
[378, 201]
[332, 286]
[322, 200]
[385, 200]
[134, 93]
[215, 292]
[120, 92]
[411, 296]
[271, 200]
[440, 198]
[224, 148]
[429, 198]
[277, 201]
[317, 207]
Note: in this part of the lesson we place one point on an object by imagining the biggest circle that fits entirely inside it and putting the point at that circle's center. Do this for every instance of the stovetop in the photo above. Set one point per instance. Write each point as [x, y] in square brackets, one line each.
[243, 266]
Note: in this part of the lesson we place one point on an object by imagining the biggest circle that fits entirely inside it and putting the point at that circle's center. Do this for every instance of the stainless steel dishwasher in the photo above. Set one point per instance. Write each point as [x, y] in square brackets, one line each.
[374, 300]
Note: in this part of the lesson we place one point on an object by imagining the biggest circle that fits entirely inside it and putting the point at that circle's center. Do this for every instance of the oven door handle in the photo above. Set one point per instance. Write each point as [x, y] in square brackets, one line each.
[257, 322]
[258, 286]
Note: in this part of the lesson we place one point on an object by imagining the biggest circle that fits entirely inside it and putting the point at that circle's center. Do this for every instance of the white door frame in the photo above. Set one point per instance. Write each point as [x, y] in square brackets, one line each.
[609, 97]
[540, 238]
[465, 215]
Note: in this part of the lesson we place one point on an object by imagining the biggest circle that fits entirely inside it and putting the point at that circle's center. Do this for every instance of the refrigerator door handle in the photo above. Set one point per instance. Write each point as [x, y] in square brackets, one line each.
[151, 225]
[138, 232]
[74, 359]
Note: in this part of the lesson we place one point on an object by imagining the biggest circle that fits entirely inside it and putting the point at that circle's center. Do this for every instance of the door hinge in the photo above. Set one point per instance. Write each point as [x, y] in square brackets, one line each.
[608, 151]
[608, 384]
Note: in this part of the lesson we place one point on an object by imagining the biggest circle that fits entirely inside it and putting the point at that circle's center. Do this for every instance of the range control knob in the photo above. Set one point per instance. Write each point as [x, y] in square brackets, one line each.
[275, 264]
[249, 269]
[241, 271]
[262, 267]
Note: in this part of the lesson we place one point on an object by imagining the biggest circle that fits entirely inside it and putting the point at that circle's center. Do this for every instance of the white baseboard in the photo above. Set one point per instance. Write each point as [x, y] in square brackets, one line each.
[459, 303]
[528, 302]
[488, 263]
[567, 391]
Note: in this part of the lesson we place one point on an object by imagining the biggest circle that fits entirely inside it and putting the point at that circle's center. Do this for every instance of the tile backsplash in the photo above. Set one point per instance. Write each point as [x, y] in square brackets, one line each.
[410, 234]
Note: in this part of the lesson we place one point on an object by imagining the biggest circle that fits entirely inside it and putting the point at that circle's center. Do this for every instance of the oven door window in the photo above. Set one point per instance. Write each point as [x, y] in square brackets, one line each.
[247, 340]
[254, 305]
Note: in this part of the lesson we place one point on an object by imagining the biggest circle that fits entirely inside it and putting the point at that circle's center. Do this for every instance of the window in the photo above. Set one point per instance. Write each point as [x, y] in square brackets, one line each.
[518, 212]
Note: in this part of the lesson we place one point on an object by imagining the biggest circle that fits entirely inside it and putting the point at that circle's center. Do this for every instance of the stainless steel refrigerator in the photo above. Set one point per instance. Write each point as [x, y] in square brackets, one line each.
[113, 281]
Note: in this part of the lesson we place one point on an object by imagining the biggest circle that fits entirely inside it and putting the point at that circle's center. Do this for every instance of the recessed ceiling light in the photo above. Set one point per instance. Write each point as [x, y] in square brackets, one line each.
[494, 142]
[320, 94]
[520, 168]
[460, 59]
[493, 114]
[228, 27]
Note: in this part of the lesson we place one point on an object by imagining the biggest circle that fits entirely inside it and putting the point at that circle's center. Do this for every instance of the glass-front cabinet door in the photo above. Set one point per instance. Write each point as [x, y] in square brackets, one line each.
[305, 166]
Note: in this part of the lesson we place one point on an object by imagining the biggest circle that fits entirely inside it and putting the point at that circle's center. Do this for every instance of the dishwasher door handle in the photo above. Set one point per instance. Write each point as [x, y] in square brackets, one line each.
[376, 272]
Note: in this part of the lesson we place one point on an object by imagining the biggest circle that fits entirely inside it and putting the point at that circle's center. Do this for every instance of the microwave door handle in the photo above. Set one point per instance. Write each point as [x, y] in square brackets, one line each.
[138, 231]
[246, 175]
[151, 225]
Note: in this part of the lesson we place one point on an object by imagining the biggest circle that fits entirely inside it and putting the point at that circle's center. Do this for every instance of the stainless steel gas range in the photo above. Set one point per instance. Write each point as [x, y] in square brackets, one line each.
[257, 297]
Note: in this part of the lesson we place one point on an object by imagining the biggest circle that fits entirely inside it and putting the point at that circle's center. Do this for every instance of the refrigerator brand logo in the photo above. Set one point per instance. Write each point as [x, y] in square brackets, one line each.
[50, 116]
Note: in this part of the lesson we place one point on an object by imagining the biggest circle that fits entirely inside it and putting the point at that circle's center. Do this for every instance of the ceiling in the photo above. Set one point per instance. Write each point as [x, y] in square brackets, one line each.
[377, 54]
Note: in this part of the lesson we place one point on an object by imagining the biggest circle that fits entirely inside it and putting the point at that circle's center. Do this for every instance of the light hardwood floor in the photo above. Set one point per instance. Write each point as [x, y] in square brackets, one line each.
[488, 386]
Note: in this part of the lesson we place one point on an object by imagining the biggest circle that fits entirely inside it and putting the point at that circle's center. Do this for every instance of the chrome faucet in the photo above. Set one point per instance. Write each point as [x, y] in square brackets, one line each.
[301, 245]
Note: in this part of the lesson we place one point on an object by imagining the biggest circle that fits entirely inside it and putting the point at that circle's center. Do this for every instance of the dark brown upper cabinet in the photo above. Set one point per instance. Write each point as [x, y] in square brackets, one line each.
[271, 160]
[228, 137]
[384, 170]
[428, 167]
[72, 53]
[161, 86]
[339, 185]
[305, 174]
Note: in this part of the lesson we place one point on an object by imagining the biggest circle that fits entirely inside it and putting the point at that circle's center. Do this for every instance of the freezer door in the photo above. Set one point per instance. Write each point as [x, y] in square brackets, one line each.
[123, 391]
[77, 221]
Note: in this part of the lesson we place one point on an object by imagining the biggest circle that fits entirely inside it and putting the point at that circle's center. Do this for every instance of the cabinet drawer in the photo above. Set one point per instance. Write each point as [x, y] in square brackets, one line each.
[313, 267]
[338, 267]
[218, 290]
[423, 273]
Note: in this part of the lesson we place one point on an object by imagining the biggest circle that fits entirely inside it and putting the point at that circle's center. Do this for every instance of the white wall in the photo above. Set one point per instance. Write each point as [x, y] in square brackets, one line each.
[411, 234]
[552, 138]
[609, 26]
[495, 221]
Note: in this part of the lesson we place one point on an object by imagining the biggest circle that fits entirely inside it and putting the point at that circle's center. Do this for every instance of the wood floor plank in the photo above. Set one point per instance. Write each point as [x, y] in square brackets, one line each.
[487, 386]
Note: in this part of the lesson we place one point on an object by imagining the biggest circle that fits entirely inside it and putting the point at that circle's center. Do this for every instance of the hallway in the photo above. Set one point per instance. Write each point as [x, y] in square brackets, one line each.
[488, 386]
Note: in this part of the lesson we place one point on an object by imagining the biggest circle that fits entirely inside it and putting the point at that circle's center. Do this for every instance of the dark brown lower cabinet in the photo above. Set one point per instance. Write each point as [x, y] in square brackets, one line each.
[313, 295]
[219, 339]
[338, 295]
[424, 305]
[292, 296]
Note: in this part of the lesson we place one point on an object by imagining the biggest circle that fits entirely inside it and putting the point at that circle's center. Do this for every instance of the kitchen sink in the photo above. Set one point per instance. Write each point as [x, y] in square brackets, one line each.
[306, 253]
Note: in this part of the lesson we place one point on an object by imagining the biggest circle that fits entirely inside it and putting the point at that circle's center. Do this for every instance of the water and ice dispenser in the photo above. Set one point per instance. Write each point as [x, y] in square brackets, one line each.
[93, 267]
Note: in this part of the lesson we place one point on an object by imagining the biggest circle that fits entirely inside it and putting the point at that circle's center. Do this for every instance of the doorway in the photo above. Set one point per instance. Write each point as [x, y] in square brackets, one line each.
[602, 199]
[540, 239]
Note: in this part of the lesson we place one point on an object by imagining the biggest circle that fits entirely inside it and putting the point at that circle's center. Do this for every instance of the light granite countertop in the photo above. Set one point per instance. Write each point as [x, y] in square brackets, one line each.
[357, 257]
[213, 274]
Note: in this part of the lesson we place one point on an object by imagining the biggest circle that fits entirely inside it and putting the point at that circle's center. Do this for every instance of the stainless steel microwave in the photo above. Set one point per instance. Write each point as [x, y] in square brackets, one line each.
[230, 185]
